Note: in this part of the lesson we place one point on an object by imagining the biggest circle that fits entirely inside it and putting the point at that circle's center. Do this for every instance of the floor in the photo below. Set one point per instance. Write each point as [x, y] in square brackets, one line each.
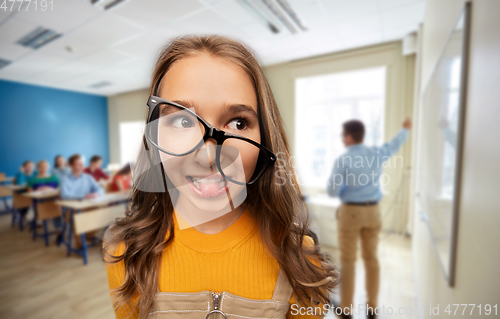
[42, 282]
[39, 282]
[397, 288]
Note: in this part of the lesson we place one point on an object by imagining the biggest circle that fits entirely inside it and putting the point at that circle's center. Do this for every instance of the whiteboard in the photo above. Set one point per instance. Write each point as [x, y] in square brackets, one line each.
[441, 143]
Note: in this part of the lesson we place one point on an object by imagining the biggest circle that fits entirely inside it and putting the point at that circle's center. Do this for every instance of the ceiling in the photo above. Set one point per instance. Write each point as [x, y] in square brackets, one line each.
[119, 45]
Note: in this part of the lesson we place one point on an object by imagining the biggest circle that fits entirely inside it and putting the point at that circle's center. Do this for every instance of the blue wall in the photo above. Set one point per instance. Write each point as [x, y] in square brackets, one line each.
[39, 123]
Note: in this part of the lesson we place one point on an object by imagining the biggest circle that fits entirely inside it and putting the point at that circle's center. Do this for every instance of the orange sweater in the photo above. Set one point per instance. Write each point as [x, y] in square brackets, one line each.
[232, 260]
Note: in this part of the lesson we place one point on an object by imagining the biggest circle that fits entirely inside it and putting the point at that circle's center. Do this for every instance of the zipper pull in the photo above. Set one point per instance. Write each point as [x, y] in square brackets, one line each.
[216, 296]
[216, 299]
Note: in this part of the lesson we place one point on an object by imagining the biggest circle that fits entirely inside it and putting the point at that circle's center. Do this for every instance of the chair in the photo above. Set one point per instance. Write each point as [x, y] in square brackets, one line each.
[19, 202]
[5, 194]
[45, 211]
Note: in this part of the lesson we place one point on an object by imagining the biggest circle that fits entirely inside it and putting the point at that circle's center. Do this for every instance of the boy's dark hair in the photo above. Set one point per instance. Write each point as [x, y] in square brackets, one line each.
[356, 129]
[27, 162]
[95, 158]
[73, 158]
[55, 160]
[124, 170]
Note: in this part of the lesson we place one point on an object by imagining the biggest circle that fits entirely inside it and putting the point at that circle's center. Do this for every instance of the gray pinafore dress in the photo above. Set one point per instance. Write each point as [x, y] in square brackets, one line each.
[222, 305]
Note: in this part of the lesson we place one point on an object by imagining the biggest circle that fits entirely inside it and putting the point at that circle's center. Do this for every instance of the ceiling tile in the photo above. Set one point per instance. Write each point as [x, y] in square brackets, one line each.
[341, 10]
[61, 73]
[396, 3]
[14, 29]
[62, 16]
[71, 46]
[312, 14]
[104, 58]
[106, 30]
[359, 26]
[4, 15]
[152, 13]
[235, 13]
[259, 31]
[144, 45]
[206, 22]
[403, 15]
[12, 51]
[364, 40]
[31, 65]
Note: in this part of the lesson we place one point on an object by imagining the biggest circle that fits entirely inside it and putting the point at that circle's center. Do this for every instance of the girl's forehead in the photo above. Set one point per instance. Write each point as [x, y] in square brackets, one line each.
[209, 84]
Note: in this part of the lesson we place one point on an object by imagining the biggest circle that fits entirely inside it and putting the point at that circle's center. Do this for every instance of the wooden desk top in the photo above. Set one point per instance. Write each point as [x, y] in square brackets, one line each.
[42, 194]
[6, 179]
[15, 187]
[95, 202]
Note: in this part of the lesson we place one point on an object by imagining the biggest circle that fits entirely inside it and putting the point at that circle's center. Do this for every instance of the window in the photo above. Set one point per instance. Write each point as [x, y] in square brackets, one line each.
[323, 103]
[130, 140]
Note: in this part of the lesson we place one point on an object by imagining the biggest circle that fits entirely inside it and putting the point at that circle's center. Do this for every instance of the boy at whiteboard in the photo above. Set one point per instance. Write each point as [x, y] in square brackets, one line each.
[355, 178]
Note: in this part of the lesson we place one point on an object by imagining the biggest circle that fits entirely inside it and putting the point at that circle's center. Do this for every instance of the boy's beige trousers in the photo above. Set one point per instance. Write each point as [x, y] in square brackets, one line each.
[359, 222]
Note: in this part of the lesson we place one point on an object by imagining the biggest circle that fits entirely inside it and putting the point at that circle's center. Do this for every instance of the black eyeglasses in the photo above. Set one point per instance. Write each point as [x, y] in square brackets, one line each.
[176, 130]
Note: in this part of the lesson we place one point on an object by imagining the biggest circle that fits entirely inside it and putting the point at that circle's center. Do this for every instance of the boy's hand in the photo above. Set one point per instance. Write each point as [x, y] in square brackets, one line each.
[91, 195]
[407, 123]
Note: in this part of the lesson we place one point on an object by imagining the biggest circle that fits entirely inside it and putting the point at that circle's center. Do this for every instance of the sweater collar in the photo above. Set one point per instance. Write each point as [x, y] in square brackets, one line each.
[223, 240]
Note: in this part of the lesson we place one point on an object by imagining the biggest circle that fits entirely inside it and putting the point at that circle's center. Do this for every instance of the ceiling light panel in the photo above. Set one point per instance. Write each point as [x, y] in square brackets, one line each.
[39, 37]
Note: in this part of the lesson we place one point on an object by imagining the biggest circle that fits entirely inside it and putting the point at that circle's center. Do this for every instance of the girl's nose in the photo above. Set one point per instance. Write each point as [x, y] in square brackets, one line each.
[205, 155]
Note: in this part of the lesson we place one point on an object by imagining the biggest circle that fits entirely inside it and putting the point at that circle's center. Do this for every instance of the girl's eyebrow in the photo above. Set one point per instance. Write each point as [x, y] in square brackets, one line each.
[232, 108]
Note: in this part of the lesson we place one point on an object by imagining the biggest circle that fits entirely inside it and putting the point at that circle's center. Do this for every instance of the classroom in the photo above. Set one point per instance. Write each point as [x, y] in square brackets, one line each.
[159, 156]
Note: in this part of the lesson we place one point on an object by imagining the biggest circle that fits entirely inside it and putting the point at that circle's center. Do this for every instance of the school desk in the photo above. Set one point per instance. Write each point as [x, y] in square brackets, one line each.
[5, 193]
[44, 208]
[18, 201]
[82, 216]
[6, 180]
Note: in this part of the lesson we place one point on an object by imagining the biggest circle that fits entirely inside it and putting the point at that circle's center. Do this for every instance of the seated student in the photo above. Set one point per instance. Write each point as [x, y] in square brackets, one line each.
[95, 170]
[26, 172]
[77, 185]
[44, 181]
[121, 180]
[60, 169]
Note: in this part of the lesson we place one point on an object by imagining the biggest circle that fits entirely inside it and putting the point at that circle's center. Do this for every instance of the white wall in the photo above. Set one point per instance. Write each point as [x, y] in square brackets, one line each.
[478, 258]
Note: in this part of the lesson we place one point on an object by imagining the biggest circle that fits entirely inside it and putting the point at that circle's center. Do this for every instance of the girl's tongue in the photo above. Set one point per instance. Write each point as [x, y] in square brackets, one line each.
[210, 189]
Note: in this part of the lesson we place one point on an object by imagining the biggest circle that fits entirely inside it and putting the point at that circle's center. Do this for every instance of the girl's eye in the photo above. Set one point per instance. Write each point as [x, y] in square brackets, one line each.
[237, 124]
[181, 122]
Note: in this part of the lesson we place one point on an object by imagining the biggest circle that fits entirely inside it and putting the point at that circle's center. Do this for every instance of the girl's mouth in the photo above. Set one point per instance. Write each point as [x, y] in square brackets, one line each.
[209, 186]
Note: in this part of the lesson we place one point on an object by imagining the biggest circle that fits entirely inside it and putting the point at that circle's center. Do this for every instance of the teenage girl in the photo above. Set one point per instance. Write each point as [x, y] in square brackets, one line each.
[228, 239]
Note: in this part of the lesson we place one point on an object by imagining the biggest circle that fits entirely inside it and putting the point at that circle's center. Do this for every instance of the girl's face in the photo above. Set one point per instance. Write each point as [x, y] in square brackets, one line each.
[29, 168]
[43, 168]
[223, 94]
[61, 162]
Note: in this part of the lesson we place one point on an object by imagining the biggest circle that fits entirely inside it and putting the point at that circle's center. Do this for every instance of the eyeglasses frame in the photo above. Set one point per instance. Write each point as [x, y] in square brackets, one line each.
[212, 132]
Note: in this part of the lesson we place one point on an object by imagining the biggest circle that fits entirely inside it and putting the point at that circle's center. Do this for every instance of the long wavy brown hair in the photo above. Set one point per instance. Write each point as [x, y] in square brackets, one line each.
[275, 200]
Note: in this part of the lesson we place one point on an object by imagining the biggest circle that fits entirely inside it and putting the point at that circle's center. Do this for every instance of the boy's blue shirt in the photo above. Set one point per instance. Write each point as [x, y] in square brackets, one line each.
[73, 187]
